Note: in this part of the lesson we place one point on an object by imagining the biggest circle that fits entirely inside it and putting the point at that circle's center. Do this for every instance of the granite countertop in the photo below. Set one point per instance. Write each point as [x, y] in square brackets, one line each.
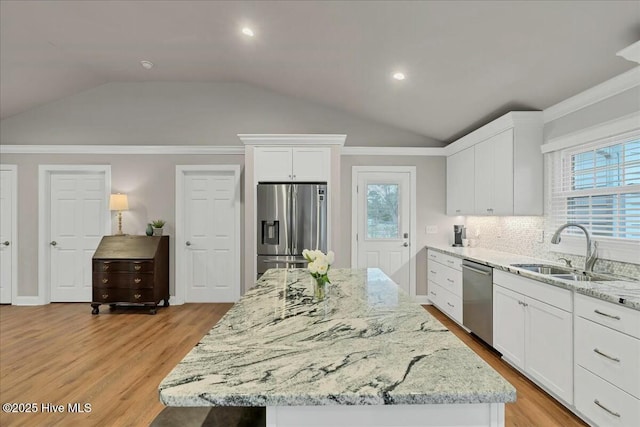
[623, 292]
[367, 343]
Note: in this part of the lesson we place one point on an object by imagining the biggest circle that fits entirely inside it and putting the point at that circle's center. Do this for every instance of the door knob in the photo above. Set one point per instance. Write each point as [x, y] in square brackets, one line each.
[53, 243]
[405, 244]
[188, 243]
[6, 243]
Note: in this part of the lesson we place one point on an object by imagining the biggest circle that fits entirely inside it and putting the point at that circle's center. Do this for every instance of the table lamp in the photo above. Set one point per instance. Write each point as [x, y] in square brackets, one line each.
[118, 202]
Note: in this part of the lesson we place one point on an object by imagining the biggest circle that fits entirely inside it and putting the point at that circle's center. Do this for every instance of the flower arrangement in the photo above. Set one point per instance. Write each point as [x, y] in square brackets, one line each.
[319, 263]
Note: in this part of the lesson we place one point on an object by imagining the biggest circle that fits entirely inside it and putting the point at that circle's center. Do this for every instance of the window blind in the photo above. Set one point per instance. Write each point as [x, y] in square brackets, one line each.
[598, 186]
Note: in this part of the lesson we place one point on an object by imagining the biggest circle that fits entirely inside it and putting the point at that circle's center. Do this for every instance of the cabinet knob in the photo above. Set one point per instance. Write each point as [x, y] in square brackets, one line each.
[137, 267]
[53, 243]
[137, 296]
[105, 280]
[6, 243]
[137, 280]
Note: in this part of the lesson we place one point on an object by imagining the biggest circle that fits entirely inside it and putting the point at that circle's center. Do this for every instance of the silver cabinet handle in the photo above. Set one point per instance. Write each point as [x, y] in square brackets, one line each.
[188, 243]
[432, 272]
[457, 210]
[615, 359]
[433, 293]
[605, 314]
[450, 262]
[615, 414]
[449, 304]
[6, 243]
[450, 281]
[53, 243]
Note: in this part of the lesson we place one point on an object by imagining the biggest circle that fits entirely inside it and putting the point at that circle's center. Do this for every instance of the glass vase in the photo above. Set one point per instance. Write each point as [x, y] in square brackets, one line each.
[319, 289]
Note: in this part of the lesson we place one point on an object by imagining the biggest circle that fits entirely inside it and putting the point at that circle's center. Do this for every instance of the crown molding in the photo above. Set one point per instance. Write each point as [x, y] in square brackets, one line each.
[607, 89]
[121, 149]
[393, 151]
[292, 139]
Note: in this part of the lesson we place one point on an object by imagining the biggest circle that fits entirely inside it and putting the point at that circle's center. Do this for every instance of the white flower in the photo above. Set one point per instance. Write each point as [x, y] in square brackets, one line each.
[330, 257]
[307, 255]
[323, 268]
[313, 267]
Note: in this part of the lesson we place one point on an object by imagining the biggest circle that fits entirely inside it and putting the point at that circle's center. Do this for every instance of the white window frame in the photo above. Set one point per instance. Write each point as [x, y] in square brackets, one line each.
[605, 133]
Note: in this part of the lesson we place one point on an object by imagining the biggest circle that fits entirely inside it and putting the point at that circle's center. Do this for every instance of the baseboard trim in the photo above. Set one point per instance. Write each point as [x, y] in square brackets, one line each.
[27, 300]
[422, 300]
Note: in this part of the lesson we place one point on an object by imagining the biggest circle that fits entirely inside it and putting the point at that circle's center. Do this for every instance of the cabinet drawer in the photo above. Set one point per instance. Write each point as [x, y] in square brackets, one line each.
[447, 302]
[549, 294]
[123, 266]
[444, 259]
[604, 404]
[108, 295]
[123, 280]
[608, 314]
[141, 295]
[435, 293]
[447, 277]
[609, 354]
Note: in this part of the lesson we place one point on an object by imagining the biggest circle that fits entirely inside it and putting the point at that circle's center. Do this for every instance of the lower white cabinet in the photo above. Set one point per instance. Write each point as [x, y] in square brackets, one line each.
[534, 336]
[445, 284]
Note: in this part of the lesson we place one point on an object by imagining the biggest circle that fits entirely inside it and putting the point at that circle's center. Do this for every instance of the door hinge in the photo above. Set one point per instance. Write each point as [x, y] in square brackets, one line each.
[357, 189]
[356, 237]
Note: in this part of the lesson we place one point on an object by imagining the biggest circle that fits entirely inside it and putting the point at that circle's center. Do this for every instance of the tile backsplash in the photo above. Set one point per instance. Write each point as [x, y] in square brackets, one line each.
[528, 235]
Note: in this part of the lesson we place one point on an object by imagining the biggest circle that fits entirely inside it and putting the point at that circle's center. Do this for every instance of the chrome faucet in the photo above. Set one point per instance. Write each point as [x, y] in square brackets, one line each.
[591, 256]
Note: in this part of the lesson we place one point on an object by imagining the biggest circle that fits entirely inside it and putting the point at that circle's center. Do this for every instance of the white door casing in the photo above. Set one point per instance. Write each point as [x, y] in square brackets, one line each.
[390, 249]
[8, 233]
[208, 233]
[73, 217]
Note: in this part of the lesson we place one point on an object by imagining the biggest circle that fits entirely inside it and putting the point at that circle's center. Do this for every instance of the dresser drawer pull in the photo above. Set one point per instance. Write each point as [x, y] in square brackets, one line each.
[605, 314]
[615, 414]
[105, 266]
[137, 267]
[105, 280]
[615, 359]
[137, 296]
[137, 280]
[105, 296]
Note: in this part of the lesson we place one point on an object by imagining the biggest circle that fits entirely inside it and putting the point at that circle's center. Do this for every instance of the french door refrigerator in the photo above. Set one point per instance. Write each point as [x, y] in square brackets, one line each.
[291, 217]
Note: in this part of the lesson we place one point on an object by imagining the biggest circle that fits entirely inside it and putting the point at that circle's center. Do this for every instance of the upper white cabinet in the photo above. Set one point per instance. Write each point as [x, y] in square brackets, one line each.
[505, 174]
[460, 189]
[292, 164]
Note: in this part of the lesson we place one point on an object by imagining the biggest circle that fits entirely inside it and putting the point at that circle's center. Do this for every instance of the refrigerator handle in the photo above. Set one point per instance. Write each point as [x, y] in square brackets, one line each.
[294, 228]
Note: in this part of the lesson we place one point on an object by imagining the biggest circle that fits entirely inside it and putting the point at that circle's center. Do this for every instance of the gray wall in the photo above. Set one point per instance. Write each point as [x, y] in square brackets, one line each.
[430, 206]
[162, 113]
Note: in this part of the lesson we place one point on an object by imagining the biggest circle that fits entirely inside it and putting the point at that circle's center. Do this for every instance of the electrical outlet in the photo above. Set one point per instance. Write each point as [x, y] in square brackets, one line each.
[431, 229]
[540, 237]
[499, 232]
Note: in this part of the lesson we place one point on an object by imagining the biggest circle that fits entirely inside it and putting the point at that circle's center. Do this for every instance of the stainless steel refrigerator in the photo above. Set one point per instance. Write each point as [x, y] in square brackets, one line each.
[291, 217]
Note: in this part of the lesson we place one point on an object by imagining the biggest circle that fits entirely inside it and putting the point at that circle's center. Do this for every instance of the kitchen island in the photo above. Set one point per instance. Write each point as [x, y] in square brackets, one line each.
[367, 355]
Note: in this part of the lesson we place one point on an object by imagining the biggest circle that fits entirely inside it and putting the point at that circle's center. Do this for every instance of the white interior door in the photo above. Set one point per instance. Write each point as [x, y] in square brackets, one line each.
[384, 201]
[209, 239]
[77, 220]
[8, 262]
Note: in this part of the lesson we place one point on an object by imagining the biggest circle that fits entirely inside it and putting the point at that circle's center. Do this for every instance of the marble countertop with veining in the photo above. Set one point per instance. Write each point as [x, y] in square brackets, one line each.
[367, 343]
[623, 292]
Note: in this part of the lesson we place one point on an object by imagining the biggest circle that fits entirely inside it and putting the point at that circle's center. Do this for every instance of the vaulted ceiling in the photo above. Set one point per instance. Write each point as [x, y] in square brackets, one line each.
[466, 62]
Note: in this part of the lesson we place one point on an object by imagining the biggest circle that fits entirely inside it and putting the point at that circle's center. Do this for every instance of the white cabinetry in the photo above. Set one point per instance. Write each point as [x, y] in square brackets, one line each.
[502, 170]
[459, 187]
[445, 283]
[284, 164]
[607, 362]
[535, 336]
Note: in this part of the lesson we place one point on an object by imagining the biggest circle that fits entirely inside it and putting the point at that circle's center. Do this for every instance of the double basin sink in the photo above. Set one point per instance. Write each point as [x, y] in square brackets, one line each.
[565, 273]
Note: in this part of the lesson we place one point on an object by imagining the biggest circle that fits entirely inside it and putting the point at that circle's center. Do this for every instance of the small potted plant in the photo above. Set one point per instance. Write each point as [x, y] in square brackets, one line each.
[157, 225]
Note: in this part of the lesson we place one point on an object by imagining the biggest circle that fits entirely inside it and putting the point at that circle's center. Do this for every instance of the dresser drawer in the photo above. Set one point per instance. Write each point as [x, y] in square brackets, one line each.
[141, 295]
[603, 403]
[110, 295]
[123, 266]
[620, 318]
[123, 280]
[609, 354]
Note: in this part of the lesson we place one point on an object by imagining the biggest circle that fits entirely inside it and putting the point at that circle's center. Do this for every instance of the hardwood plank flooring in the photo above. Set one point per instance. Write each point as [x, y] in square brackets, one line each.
[61, 354]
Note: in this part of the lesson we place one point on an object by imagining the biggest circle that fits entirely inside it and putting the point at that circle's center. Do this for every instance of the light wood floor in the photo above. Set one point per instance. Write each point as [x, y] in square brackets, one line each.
[61, 354]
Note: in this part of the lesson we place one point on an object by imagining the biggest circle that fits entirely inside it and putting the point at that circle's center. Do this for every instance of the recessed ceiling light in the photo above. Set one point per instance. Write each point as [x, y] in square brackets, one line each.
[147, 65]
[399, 76]
[247, 32]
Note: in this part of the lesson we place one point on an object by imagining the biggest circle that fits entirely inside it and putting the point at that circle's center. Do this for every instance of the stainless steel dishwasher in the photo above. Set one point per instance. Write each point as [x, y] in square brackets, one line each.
[477, 299]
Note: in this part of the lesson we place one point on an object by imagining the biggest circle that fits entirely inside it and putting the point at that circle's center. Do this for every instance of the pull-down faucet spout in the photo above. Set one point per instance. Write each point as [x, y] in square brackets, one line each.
[591, 256]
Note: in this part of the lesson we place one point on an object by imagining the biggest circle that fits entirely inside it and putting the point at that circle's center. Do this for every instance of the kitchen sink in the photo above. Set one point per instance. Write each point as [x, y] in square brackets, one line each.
[544, 268]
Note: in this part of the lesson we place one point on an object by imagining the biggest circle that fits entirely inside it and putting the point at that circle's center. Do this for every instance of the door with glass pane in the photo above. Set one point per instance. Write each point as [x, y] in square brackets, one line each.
[384, 224]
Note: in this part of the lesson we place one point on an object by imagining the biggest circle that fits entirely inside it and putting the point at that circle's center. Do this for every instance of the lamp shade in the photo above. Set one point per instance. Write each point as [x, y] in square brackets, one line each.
[118, 202]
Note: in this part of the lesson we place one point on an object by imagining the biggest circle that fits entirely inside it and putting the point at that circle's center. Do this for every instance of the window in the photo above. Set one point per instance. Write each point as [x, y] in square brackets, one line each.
[382, 211]
[598, 186]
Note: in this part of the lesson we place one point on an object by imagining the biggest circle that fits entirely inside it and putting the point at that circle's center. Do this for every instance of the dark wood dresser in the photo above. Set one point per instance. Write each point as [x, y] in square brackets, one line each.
[131, 270]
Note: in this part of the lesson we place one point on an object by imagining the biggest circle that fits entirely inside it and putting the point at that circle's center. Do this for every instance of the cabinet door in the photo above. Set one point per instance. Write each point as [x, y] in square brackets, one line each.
[484, 166]
[508, 325]
[273, 164]
[311, 164]
[549, 347]
[503, 173]
[460, 188]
